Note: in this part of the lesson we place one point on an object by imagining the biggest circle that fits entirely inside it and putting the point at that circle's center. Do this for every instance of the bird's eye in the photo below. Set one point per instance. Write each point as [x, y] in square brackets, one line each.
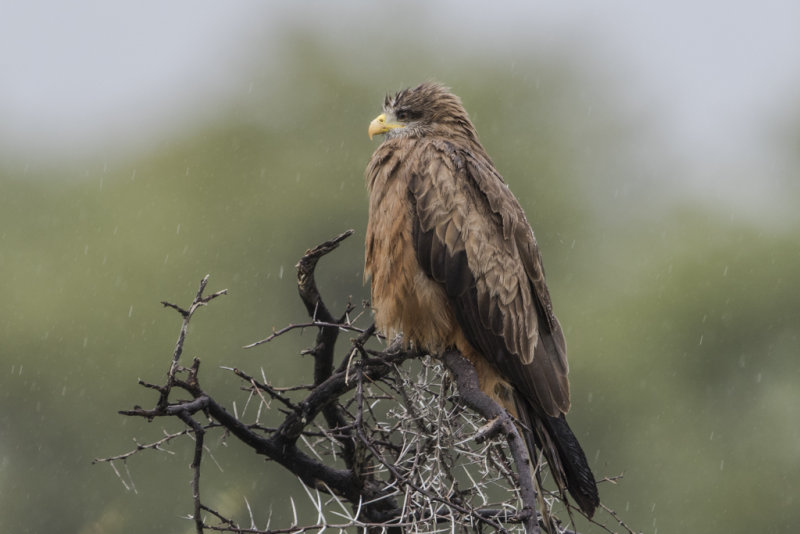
[402, 115]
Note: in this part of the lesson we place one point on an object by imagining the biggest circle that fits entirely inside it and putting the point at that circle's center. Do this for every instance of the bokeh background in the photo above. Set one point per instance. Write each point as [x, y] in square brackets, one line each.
[655, 149]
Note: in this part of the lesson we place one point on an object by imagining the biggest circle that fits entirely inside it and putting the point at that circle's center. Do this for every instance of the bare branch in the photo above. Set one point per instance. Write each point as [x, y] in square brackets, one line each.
[199, 436]
[500, 420]
[258, 386]
[156, 445]
[199, 300]
[393, 443]
[311, 324]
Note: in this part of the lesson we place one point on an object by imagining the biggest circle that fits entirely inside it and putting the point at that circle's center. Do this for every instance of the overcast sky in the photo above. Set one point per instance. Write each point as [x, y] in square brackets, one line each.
[718, 74]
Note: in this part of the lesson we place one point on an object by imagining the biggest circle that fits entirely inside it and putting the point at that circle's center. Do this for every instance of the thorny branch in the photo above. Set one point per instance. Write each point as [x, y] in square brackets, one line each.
[199, 300]
[500, 421]
[414, 459]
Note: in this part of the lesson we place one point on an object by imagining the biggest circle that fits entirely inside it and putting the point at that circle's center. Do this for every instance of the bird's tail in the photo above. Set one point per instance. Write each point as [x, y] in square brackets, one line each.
[564, 455]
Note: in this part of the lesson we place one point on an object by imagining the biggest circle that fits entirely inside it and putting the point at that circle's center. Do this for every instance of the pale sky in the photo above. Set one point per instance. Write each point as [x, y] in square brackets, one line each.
[77, 75]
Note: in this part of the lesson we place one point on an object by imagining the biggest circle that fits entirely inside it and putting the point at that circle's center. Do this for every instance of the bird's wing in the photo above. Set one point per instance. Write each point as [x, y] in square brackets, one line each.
[471, 236]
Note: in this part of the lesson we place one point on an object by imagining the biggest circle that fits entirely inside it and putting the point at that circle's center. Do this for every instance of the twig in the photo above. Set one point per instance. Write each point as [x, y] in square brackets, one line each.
[317, 324]
[199, 435]
[199, 300]
[258, 386]
[156, 445]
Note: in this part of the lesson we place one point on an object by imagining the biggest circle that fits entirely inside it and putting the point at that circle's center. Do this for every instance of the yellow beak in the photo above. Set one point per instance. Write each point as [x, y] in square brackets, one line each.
[379, 126]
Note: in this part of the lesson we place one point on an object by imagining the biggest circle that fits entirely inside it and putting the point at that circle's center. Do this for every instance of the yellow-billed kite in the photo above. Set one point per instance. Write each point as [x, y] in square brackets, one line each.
[454, 263]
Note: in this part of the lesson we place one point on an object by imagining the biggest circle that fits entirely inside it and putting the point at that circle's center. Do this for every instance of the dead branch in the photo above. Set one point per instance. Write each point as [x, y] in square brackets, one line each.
[500, 421]
[413, 457]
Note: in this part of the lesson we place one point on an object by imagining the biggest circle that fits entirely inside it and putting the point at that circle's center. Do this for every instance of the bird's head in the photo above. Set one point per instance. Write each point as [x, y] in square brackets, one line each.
[427, 109]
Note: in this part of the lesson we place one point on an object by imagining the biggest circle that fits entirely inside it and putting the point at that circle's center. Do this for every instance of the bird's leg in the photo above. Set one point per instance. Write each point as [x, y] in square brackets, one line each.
[500, 421]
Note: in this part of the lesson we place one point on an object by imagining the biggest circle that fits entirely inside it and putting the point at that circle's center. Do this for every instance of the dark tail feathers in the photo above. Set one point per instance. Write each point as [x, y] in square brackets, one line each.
[564, 456]
[577, 474]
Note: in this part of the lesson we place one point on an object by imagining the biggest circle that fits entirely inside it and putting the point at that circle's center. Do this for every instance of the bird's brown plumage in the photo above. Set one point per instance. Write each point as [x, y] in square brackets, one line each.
[453, 262]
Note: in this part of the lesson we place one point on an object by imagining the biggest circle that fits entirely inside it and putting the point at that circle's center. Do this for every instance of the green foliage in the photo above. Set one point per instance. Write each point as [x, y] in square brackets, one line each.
[682, 325]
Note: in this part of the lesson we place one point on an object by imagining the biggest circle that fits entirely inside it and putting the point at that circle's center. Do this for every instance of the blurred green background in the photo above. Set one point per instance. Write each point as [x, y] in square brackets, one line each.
[672, 246]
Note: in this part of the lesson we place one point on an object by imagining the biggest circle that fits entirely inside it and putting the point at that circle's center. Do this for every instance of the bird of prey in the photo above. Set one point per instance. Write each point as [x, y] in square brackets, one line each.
[454, 263]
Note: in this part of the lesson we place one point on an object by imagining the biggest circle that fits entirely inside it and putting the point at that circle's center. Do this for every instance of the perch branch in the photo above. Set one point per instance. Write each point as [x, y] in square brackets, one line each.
[391, 486]
[500, 420]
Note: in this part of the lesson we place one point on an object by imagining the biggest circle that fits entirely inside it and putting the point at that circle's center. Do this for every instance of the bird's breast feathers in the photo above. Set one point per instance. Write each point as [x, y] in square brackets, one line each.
[404, 298]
